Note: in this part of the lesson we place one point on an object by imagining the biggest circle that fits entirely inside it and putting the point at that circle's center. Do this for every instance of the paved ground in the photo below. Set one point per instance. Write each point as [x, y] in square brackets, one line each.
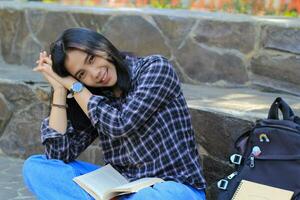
[11, 181]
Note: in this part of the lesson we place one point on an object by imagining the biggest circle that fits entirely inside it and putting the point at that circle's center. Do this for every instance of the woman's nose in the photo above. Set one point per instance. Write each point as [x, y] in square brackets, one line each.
[95, 75]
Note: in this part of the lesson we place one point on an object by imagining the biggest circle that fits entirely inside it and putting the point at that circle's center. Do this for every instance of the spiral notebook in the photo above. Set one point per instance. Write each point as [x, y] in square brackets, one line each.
[248, 190]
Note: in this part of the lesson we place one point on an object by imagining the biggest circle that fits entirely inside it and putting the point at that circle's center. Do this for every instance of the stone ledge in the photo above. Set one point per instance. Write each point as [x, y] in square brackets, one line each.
[19, 73]
[243, 103]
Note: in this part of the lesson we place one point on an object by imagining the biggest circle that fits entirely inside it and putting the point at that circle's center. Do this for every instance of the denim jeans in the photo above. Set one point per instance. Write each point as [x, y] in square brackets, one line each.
[52, 180]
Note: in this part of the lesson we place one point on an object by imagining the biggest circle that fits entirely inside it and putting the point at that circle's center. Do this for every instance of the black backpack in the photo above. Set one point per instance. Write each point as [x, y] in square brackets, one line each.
[268, 154]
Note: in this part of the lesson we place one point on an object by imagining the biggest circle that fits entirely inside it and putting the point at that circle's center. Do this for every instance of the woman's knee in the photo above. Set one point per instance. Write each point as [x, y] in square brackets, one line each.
[31, 163]
[40, 174]
[40, 166]
[37, 168]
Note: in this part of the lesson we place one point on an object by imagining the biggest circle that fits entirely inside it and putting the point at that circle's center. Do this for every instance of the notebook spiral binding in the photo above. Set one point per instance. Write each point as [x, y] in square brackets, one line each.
[237, 190]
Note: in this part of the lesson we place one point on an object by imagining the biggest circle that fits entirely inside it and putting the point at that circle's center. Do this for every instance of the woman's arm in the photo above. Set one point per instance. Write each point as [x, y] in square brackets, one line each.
[157, 85]
[66, 146]
[58, 115]
[61, 140]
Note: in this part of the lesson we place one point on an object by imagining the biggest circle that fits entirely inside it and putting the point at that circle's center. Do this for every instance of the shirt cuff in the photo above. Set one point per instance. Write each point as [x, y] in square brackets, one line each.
[93, 111]
[47, 132]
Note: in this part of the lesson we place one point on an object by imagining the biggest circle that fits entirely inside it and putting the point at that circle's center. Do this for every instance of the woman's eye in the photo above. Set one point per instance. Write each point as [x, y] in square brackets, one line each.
[80, 75]
[91, 59]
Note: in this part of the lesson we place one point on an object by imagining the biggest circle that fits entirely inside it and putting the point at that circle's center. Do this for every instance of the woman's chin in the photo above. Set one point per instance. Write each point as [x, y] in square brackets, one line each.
[109, 84]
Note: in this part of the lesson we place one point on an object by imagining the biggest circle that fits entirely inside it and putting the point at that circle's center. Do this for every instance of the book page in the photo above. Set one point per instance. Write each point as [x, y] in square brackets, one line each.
[248, 190]
[135, 186]
[132, 187]
[99, 181]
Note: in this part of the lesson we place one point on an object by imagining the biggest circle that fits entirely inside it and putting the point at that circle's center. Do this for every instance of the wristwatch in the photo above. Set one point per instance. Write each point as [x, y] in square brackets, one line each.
[75, 88]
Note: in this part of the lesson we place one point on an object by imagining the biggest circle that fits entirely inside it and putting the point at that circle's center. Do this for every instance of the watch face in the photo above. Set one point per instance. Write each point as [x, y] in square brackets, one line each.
[77, 87]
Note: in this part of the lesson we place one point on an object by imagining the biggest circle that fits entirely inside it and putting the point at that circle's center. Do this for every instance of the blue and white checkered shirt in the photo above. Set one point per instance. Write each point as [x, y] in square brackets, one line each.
[148, 133]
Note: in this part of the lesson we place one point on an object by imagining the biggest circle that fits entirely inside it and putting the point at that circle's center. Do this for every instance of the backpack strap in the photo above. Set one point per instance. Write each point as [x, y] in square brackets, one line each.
[286, 110]
[296, 194]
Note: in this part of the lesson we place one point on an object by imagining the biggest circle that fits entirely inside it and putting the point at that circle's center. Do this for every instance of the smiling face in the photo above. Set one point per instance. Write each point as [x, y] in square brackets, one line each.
[94, 71]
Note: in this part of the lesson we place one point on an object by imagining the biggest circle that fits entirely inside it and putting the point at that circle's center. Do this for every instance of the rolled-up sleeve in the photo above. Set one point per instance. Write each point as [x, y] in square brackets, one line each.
[157, 85]
[65, 146]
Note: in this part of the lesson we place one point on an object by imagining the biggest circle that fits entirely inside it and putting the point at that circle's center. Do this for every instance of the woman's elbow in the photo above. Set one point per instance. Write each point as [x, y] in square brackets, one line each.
[120, 131]
[59, 154]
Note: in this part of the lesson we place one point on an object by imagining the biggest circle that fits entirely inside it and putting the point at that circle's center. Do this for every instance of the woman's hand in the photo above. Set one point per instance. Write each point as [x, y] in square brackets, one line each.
[45, 67]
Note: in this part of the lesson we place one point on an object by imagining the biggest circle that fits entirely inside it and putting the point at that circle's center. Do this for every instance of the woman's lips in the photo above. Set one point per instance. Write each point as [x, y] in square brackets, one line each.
[104, 77]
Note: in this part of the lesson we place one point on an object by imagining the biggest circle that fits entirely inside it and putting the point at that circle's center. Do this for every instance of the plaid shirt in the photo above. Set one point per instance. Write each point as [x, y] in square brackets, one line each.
[148, 133]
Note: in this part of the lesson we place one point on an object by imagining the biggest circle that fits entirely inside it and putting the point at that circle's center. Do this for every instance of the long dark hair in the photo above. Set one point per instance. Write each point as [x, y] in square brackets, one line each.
[90, 42]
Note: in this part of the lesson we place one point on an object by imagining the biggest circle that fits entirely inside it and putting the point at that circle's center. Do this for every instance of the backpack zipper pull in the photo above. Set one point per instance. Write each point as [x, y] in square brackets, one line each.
[251, 161]
[255, 153]
[231, 176]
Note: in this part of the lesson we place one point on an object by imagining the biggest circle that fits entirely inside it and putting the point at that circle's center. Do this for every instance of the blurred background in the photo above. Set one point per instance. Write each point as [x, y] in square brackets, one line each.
[289, 8]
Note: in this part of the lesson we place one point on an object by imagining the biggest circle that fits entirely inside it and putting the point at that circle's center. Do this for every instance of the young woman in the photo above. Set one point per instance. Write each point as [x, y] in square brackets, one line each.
[134, 105]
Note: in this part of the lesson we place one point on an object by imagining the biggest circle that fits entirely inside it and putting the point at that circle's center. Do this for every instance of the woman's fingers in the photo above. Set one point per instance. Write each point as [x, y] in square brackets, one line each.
[46, 58]
[44, 63]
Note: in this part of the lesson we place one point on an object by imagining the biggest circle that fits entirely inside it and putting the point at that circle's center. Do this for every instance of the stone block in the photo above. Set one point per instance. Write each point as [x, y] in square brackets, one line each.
[217, 132]
[91, 21]
[135, 34]
[35, 19]
[281, 38]
[226, 34]
[29, 105]
[13, 22]
[179, 71]
[20, 95]
[214, 170]
[279, 66]
[21, 137]
[174, 28]
[54, 24]
[204, 65]
[5, 111]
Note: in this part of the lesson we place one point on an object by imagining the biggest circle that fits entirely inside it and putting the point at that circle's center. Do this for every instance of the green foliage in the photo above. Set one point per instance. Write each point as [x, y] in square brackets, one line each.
[165, 4]
[292, 13]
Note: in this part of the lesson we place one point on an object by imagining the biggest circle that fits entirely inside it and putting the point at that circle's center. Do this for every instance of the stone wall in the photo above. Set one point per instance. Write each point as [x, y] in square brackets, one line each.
[214, 49]
[22, 107]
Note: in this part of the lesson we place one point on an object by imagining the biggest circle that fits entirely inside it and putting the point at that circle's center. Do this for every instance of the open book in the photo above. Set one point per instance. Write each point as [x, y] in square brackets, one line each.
[248, 190]
[106, 183]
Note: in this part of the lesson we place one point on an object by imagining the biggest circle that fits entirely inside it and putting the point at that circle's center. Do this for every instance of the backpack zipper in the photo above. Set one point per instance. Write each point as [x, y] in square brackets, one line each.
[252, 158]
[280, 127]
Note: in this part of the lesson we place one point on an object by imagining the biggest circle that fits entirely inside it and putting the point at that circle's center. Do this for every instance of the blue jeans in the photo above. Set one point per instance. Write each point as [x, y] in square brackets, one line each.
[52, 180]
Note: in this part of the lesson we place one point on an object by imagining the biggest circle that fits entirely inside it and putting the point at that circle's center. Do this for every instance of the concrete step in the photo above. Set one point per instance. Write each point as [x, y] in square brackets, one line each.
[245, 103]
[19, 73]
[11, 183]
